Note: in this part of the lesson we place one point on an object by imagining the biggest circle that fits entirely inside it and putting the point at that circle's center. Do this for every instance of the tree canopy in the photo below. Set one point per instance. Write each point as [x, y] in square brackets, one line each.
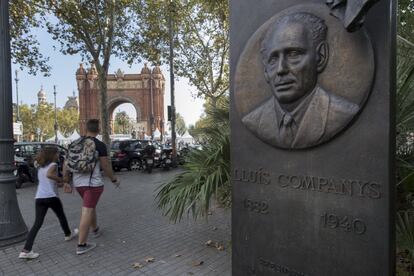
[201, 41]
[180, 124]
[122, 122]
[25, 48]
[42, 117]
[97, 30]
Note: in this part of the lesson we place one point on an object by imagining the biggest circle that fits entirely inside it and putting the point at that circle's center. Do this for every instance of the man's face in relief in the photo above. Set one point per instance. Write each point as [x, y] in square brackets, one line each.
[290, 62]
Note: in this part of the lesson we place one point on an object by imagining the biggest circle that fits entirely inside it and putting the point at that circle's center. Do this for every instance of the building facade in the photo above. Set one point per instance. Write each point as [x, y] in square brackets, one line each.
[72, 102]
[41, 96]
[145, 91]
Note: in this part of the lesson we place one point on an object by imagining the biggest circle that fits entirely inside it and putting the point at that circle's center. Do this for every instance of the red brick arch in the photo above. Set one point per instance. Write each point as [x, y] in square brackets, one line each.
[145, 91]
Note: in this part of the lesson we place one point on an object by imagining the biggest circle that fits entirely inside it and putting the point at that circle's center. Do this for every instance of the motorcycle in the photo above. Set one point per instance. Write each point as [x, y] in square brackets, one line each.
[24, 173]
[165, 160]
[148, 158]
[182, 155]
[148, 163]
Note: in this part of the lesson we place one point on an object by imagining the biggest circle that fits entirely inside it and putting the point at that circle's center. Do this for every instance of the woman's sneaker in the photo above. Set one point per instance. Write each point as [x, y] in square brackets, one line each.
[81, 249]
[72, 235]
[96, 233]
[28, 255]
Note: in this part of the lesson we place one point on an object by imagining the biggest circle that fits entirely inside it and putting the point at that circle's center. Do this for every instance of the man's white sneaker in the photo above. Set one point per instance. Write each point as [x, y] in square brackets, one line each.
[28, 255]
[72, 235]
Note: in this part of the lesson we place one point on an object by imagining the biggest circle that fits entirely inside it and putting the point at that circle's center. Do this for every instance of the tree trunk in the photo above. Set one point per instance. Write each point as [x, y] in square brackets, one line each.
[214, 102]
[103, 101]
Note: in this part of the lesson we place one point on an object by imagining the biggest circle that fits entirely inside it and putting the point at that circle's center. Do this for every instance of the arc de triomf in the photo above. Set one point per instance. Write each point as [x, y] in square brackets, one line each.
[145, 91]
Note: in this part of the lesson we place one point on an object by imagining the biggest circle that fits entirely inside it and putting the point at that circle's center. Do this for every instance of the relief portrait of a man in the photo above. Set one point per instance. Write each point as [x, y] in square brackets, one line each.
[300, 113]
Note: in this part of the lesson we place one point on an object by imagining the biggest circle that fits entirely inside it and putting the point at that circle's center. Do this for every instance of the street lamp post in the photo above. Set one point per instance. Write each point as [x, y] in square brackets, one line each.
[171, 57]
[162, 130]
[152, 108]
[17, 97]
[12, 227]
[56, 124]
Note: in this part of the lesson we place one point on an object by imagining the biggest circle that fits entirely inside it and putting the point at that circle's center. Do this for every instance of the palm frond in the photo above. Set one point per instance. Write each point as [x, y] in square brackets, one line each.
[405, 123]
[405, 231]
[206, 171]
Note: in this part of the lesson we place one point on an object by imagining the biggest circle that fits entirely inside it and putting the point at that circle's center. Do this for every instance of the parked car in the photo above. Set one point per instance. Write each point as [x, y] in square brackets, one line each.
[24, 158]
[127, 154]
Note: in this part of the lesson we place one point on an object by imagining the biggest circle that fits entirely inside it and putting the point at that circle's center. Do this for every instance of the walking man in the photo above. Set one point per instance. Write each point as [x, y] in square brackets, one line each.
[87, 157]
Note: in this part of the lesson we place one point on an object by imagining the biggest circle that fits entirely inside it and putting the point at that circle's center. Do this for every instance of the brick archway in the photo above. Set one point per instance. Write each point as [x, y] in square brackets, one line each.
[145, 91]
[116, 101]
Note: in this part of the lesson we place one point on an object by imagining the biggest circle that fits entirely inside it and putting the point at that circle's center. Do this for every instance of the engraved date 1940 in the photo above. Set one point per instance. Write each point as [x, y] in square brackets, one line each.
[345, 223]
[261, 207]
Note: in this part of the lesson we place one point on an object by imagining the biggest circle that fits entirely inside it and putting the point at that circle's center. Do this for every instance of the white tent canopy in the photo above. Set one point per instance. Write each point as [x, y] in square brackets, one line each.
[157, 134]
[75, 135]
[187, 135]
[186, 138]
[60, 138]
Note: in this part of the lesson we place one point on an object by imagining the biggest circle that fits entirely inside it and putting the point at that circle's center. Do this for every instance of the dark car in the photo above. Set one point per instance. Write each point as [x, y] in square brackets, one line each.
[127, 154]
[24, 158]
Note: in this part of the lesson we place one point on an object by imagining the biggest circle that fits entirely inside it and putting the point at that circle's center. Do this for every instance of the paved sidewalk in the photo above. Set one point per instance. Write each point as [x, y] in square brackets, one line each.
[132, 231]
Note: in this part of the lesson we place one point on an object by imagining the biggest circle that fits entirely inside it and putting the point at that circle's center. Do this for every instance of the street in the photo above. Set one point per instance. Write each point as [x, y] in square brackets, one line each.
[133, 232]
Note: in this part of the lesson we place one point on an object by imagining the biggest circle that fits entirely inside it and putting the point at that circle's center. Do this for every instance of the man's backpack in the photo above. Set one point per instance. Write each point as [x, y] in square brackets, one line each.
[82, 157]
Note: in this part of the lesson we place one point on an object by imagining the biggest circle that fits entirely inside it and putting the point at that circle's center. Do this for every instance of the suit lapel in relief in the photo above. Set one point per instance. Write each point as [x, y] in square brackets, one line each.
[263, 122]
[312, 127]
[268, 122]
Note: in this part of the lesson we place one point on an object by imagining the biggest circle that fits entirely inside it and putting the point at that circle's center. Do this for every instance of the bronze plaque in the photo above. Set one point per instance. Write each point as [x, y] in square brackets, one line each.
[312, 136]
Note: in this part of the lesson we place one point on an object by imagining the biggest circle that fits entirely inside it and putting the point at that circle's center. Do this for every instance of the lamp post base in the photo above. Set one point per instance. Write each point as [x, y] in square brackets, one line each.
[12, 226]
[13, 240]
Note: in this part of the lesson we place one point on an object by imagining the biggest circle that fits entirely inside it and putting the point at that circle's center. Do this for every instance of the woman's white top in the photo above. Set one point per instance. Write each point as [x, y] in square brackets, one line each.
[47, 187]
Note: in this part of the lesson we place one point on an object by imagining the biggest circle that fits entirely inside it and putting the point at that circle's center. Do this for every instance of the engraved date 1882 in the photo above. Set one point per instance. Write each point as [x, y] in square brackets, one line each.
[345, 223]
[261, 207]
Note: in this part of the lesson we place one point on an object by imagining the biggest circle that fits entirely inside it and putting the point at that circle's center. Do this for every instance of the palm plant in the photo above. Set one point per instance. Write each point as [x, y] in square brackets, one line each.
[206, 173]
[405, 161]
[404, 154]
[405, 238]
[405, 231]
[405, 119]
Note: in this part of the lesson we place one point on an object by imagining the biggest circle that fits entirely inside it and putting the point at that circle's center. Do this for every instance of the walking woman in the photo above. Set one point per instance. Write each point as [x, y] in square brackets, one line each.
[47, 197]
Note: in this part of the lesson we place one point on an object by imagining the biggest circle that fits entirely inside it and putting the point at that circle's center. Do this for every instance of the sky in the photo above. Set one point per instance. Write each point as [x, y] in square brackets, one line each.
[63, 76]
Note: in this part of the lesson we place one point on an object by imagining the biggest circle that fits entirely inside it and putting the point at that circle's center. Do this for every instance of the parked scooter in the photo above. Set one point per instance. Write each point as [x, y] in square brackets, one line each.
[165, 160]
[24, 173]
[148, 163]
[148, 158]
[182, 155]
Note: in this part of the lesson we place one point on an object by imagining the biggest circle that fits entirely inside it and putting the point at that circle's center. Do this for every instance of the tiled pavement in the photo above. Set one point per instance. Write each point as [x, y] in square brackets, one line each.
[132, 230]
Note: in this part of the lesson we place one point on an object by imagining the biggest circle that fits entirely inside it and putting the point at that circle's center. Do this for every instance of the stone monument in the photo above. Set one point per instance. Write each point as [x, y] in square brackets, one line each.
[312, 104]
